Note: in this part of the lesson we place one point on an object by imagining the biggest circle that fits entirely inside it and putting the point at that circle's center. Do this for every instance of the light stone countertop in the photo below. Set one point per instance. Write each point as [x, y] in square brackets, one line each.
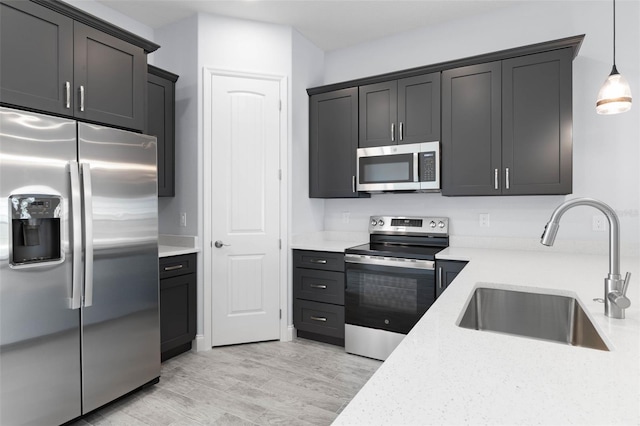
[444, 374]
[176, 245]
[328, 240]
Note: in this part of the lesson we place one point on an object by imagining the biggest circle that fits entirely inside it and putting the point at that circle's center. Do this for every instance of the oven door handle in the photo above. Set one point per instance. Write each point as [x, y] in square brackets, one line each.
[390, 261]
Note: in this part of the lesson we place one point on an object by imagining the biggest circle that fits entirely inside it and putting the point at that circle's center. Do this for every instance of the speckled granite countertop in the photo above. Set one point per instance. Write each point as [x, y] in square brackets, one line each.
[444, 374]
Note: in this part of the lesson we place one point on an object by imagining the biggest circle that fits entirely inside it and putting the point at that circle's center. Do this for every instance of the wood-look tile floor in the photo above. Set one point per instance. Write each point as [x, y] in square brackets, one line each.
[284, 383]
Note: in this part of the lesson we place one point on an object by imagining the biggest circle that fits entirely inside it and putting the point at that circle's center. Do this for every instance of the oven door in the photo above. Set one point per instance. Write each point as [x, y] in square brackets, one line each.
[388, 294]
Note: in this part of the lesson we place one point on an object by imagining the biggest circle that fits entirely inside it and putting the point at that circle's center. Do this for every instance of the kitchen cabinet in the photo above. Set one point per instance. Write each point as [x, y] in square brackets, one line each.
[333, 142]
[447, 271]
[400, 111]
[318, 295]
[506, 126]
[57, 59]
[161, 124]
[177, 304]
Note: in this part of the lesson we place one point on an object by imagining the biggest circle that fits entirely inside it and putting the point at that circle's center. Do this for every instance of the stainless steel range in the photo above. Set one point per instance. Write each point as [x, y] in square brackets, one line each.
[390, 282]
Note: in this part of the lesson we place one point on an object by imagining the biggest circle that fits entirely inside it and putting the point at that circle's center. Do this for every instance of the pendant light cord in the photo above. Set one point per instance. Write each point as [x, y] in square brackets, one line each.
[614, 33]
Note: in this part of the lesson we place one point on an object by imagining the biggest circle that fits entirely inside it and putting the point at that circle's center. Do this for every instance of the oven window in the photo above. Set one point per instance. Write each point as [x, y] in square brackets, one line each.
[386, 169]
[387, 298]
[399, 294]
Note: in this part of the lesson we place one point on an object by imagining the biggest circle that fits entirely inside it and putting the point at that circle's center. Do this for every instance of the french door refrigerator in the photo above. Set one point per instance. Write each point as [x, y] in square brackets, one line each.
[79, 319]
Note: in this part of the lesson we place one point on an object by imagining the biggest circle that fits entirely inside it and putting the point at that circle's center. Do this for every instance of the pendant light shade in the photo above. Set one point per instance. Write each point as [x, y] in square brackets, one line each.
[615, 94]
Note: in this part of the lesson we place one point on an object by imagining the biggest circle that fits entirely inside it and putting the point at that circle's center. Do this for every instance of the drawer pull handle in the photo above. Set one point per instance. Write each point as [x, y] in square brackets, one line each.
[319, 261]
[173, 268]
[321, 319]
[320, 286]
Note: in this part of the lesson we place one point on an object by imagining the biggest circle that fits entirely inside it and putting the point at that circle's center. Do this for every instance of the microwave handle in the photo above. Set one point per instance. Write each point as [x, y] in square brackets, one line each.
[416, 167]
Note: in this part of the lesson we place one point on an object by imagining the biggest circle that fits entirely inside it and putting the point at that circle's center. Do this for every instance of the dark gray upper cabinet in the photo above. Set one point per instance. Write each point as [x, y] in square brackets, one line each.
[537, 123]
[506, 126]
[161, 124]
[400, 111]
[36, 63]
[112, 75]
[58, 59]
[333, 141]
[471, 120]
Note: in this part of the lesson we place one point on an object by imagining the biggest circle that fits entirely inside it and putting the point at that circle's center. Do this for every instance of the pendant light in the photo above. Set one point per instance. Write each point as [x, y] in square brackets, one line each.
[615, 94]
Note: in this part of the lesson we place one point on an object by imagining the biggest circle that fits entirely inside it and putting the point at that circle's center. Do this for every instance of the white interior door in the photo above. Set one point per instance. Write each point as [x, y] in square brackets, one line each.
[245, 209]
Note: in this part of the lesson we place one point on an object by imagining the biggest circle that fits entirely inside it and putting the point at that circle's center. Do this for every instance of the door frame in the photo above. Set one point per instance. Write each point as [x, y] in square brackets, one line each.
[208, 73]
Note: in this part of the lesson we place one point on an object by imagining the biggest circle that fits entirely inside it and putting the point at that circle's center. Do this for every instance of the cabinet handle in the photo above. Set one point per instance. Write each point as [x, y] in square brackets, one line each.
[401, 130]
[82, 98]
[506, 178]
[440, 277]
[319, 261]
[495, 179]
[67, 92]
[173, 268]
[321, 319]
[353, 184]
[393, 132]
[320, 286]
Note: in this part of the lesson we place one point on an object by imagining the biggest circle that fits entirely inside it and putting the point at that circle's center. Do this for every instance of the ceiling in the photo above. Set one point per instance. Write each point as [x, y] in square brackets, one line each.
[329, 24]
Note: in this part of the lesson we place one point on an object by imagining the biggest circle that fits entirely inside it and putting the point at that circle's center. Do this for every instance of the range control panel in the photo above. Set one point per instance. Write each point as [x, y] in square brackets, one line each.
[409, 225]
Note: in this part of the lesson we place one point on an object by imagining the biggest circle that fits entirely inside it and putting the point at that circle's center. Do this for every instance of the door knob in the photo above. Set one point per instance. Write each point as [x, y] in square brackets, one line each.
[219, 244]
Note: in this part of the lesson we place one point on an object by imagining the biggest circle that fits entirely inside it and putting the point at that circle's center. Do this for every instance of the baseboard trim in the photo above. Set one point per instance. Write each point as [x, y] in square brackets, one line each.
[200, 345]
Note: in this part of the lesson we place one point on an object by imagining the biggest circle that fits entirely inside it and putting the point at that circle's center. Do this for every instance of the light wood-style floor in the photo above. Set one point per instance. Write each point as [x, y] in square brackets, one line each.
[284, 383]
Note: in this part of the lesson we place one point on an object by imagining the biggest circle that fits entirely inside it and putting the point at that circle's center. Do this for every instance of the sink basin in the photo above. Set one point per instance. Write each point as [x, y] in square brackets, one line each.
[549, 317]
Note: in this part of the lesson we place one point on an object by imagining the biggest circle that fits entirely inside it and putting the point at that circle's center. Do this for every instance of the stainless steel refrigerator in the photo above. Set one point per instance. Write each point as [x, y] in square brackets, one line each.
[79, 319]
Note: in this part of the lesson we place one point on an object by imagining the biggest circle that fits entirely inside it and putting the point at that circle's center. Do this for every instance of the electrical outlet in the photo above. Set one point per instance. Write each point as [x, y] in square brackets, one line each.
[598, 223]
[183, 219]
[483, 220]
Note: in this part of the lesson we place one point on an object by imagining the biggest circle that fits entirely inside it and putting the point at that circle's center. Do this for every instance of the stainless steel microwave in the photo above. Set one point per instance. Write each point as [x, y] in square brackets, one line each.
[410, 167]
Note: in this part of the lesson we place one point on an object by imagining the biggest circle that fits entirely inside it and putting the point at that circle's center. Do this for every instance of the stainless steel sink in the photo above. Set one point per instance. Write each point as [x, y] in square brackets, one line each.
[539, 316]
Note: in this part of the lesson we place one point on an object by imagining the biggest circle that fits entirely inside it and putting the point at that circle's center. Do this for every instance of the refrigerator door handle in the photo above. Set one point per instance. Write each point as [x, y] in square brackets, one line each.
[76, 277]
[88, 233]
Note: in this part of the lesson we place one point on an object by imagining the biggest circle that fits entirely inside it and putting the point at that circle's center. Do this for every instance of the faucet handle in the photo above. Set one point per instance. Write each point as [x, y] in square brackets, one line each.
[625, 284]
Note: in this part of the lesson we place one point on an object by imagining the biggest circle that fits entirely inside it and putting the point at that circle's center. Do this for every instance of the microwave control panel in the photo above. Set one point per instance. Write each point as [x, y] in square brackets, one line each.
[427, 166]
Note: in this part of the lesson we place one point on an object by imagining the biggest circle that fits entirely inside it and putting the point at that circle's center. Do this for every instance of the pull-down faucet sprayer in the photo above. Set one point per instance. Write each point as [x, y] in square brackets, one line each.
[615, 288]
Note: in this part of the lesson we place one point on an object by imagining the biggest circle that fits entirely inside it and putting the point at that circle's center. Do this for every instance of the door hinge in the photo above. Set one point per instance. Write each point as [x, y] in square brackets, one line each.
[279, 105]
[280, 313]
[279, 174]
[280, 243]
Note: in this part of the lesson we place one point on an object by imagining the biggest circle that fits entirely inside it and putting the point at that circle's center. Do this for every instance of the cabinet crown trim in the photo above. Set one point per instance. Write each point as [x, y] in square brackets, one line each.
[99, 24]
[167, 75]
[573, 42]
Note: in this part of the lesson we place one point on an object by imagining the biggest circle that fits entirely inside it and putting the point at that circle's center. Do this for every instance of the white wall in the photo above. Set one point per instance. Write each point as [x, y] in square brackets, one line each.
[606, 154]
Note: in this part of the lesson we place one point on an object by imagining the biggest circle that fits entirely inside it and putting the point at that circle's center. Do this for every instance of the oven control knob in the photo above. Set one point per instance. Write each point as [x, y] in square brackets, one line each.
[432, 224]
[381, 222]
[374, 222]
[441, 224]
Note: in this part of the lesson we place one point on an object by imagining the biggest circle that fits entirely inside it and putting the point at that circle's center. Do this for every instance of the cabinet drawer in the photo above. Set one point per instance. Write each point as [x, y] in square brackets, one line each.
[329, 261]
[319, 286]
[320, 318]
[173, 266]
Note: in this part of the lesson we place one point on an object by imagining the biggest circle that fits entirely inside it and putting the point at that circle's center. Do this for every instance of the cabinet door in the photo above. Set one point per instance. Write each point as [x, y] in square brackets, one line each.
[419, 109]
[471, 126]
[113, 74]
[177, 311]
[378, 114]
[333, 142]
[161, 124]
[446, 271]
[36, 57]
[536, 123]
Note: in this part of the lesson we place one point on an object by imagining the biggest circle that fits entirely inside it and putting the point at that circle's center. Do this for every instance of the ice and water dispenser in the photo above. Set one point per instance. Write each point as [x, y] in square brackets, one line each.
[35, 229]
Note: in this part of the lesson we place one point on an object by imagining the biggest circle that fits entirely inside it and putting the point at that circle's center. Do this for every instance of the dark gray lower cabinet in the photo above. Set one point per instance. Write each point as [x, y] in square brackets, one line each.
[333, 142]
[506, 126]
[318, 295]
[161, 113]
[177, 304]
[446, 271]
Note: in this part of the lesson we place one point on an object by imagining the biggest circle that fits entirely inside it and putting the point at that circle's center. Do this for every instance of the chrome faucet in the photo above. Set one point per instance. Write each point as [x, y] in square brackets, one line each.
[615, 288]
